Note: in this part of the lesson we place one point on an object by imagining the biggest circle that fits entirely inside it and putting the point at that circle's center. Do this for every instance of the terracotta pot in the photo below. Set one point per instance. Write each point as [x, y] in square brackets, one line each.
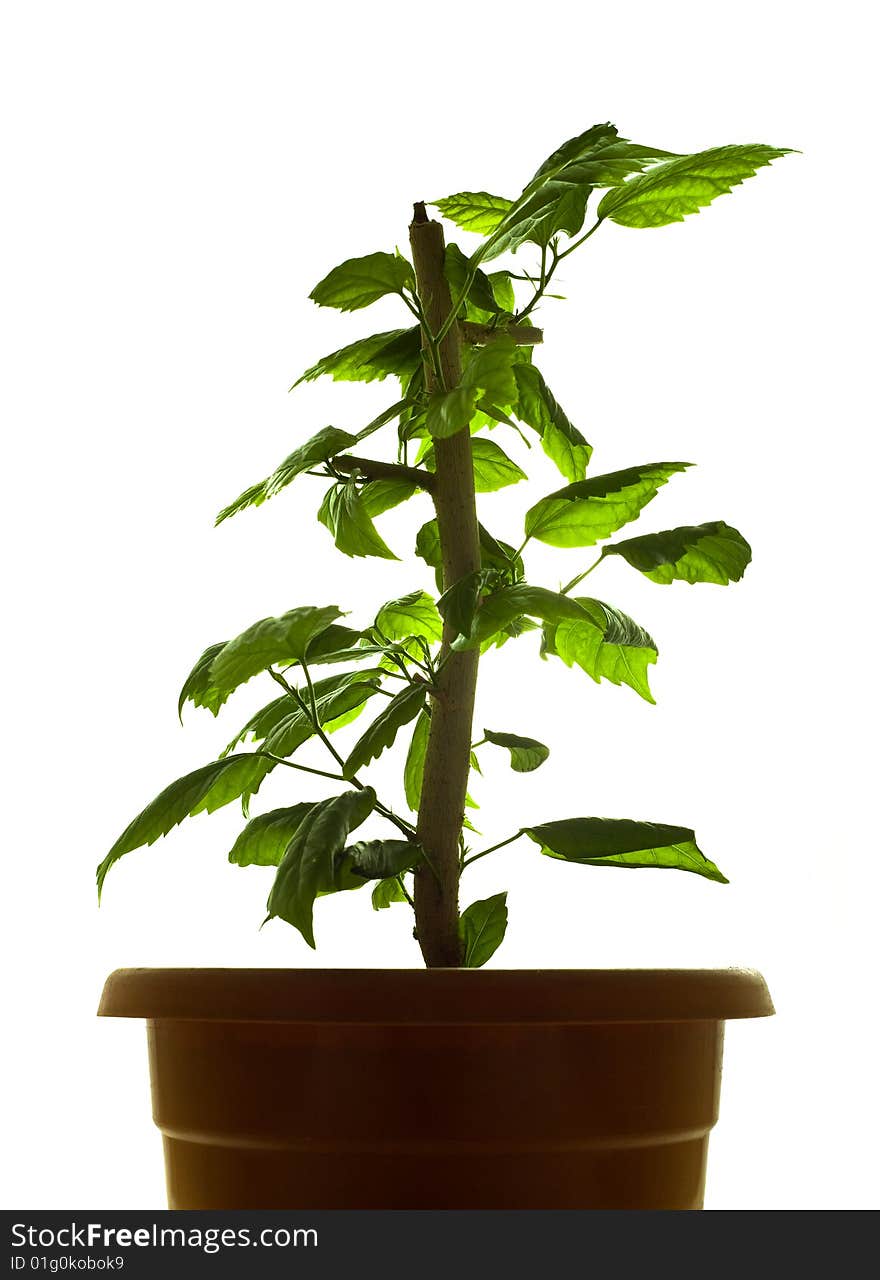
[437, 1089]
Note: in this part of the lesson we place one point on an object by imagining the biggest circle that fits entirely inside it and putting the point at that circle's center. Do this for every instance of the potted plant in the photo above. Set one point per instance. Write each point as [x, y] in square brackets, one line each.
[452, 1086]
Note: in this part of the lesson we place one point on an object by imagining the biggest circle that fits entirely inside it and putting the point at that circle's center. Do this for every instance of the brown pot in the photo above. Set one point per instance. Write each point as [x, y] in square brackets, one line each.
[435, 1089]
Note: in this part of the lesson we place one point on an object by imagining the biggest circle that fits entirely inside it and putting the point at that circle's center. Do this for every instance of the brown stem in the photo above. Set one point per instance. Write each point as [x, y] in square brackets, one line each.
[447, 758]
[376, 470]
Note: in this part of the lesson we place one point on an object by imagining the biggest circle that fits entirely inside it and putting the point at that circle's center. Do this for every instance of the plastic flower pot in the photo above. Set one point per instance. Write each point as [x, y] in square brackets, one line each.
[435, 1089]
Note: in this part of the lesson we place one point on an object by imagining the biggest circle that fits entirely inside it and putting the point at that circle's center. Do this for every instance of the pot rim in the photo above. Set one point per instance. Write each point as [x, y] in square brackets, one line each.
[419, 997]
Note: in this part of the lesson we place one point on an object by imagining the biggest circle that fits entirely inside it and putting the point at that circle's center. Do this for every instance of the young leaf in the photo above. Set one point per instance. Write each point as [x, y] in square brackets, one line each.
[333, 703]
[526, 754]
[379, 859]
[345, 515]
[338, 644]
[712, 552]
[414, 768]
[492, 468]
[672, 190]
[335, 709]
[599, 156]
[482, 927]
[384, 729]
[584, 513]
[459, 604]
[488, 374]
[508, 604]
[253, 496]
[539, 409]
[264, 839]
[555, 200]
[324, 445]
[201, 791]
[607, 645]
[556, 207]
[480, 295]
[623, 843]
[474, 210]
[412, 615]
[361, 281]
[309, 864]
[198, 687]
[285, 639]
[397, 353]
[500, 556]
[387, 892]
[502, 288]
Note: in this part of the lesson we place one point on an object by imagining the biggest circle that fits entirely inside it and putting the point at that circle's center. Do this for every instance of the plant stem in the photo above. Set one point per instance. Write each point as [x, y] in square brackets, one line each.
[312, 715]
[448, 321]
[577, 244]
[545, 277]
[447, 757]
[405, 892]
[501, 843]
[580, 577]
[303, 768]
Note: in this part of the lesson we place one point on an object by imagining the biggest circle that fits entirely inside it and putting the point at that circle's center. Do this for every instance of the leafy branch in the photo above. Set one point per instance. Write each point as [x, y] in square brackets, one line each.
[466, 366]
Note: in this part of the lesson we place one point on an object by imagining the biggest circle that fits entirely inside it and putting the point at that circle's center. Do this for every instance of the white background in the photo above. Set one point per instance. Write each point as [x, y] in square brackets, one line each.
[178, 176]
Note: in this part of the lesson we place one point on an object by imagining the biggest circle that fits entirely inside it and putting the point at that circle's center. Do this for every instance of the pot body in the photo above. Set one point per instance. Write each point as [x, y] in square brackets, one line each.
[423, 1107]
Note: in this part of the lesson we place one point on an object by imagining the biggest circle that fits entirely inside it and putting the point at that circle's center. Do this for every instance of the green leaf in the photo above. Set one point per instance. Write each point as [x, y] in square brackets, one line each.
[394, 353]
[481, 929]
[584, 513]
[264, 839]
[597, 156]
[492, 468]
[309, 865]
[412, 615]
[199, 688]
[526, 754]
[539, 409]
[344, 514]
[380, 496]
[557, 207]
[326, 444]
[500, 556]
[286, 639]
[335, 708]
[474, 210]
[201, 791]
[381, 734]
[481, 302]
[330, 705]
[379, 859]
[253, 496]
[505, 606]
[502, 288]
[489, 374]
[622, 842]
[414, 769]
[712, 552]
[361, 281]
[496, 555]
[607, 644]
[672, 190]
[556, 198]
[458, 605]
[337, 644]
[387, 892]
